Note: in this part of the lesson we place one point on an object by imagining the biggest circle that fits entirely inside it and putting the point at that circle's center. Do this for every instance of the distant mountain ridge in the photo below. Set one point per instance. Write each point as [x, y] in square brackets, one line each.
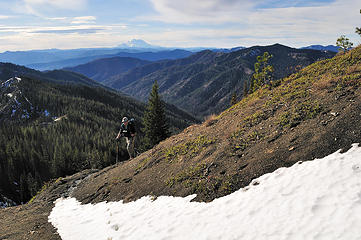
[202, 83]
[331, 48]
[147, 56]
[50, 59]
[102, 69]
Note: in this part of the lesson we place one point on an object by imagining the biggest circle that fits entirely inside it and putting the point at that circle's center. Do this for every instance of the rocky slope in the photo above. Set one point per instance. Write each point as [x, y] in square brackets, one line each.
[310, 115]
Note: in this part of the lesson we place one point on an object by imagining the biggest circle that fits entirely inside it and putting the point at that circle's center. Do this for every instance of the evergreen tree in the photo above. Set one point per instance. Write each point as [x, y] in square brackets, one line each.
[154, 121]
[234, 99]
[262, 72]
[344, 43]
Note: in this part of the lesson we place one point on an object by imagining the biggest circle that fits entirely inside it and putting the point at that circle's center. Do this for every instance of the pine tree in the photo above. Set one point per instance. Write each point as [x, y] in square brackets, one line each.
[155, 123]
[262, 72]
[344, 43]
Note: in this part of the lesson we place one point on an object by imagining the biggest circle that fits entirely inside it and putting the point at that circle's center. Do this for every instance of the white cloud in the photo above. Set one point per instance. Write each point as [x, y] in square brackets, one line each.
[321, 23]
[57, 18]
[212, 11]
[62, 4]
[62, 37]
[41, 8]
[4, 17]
[83, 20]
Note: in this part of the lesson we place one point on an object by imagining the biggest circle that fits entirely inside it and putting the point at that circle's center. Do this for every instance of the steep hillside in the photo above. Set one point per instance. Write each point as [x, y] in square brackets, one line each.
[49, 130]
[310, 115]
[8, 70]
[203, 83]
[102, 69]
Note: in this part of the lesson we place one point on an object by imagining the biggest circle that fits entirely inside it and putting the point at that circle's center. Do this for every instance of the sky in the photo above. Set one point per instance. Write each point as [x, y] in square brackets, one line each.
[69, 24]
[318, 200]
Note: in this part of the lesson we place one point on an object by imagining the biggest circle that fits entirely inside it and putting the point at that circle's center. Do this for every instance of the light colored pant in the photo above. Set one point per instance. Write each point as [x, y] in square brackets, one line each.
[130, 146]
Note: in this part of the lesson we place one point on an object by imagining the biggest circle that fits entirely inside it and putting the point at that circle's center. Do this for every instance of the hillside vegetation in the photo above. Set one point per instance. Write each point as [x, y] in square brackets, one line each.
[48, 130]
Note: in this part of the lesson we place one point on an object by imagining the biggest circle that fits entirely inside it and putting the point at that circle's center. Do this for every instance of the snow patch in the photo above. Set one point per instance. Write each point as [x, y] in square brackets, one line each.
[60, 118]
[10, 81]
[17, 102]
[318, 199]
[6, 202]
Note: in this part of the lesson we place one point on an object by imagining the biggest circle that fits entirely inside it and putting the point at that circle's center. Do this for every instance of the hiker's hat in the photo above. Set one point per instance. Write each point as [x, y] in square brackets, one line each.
[125, 119]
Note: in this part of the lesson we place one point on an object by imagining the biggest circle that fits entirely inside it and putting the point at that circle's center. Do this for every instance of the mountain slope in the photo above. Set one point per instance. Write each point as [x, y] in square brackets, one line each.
[8, 70]
[102, 69]
[49, 130]
[311, 114]
[203, 83]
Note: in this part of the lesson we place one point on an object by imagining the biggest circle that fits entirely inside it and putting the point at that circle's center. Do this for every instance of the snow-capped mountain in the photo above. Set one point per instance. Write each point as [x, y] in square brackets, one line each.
[137, 43]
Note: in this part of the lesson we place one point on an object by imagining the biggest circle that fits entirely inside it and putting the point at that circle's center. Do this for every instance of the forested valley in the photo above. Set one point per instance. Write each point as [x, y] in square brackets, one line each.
[49, 130]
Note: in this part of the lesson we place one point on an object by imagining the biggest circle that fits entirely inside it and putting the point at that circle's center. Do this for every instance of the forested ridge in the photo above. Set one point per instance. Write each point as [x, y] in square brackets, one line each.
[68, 128]
[203, 83]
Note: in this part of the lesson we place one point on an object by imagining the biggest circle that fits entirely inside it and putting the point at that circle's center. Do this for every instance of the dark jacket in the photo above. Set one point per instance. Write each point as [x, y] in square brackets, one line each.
[126, 131]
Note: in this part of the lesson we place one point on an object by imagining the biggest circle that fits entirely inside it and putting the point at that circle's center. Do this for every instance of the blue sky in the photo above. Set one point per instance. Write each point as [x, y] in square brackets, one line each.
[66, 24]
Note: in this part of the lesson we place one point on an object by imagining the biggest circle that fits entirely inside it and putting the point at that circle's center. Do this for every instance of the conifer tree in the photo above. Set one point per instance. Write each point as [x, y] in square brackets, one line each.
[155, 123]
[262, 72]
[344, 43]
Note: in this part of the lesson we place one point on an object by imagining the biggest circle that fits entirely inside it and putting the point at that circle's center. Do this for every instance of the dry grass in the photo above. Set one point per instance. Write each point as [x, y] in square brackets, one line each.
[354, 69]
[327, 81]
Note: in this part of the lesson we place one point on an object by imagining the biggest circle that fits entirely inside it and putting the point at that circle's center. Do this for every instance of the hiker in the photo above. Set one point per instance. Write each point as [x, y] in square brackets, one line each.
[127, 130]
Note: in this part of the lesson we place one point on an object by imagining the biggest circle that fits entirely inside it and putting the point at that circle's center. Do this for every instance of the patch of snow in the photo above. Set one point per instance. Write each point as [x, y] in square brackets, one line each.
[318, 199]
[28, 101]
[17, 102]
[6, 202]
[60, 118]
[10, 81]
[7, 83]
[10, 95]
